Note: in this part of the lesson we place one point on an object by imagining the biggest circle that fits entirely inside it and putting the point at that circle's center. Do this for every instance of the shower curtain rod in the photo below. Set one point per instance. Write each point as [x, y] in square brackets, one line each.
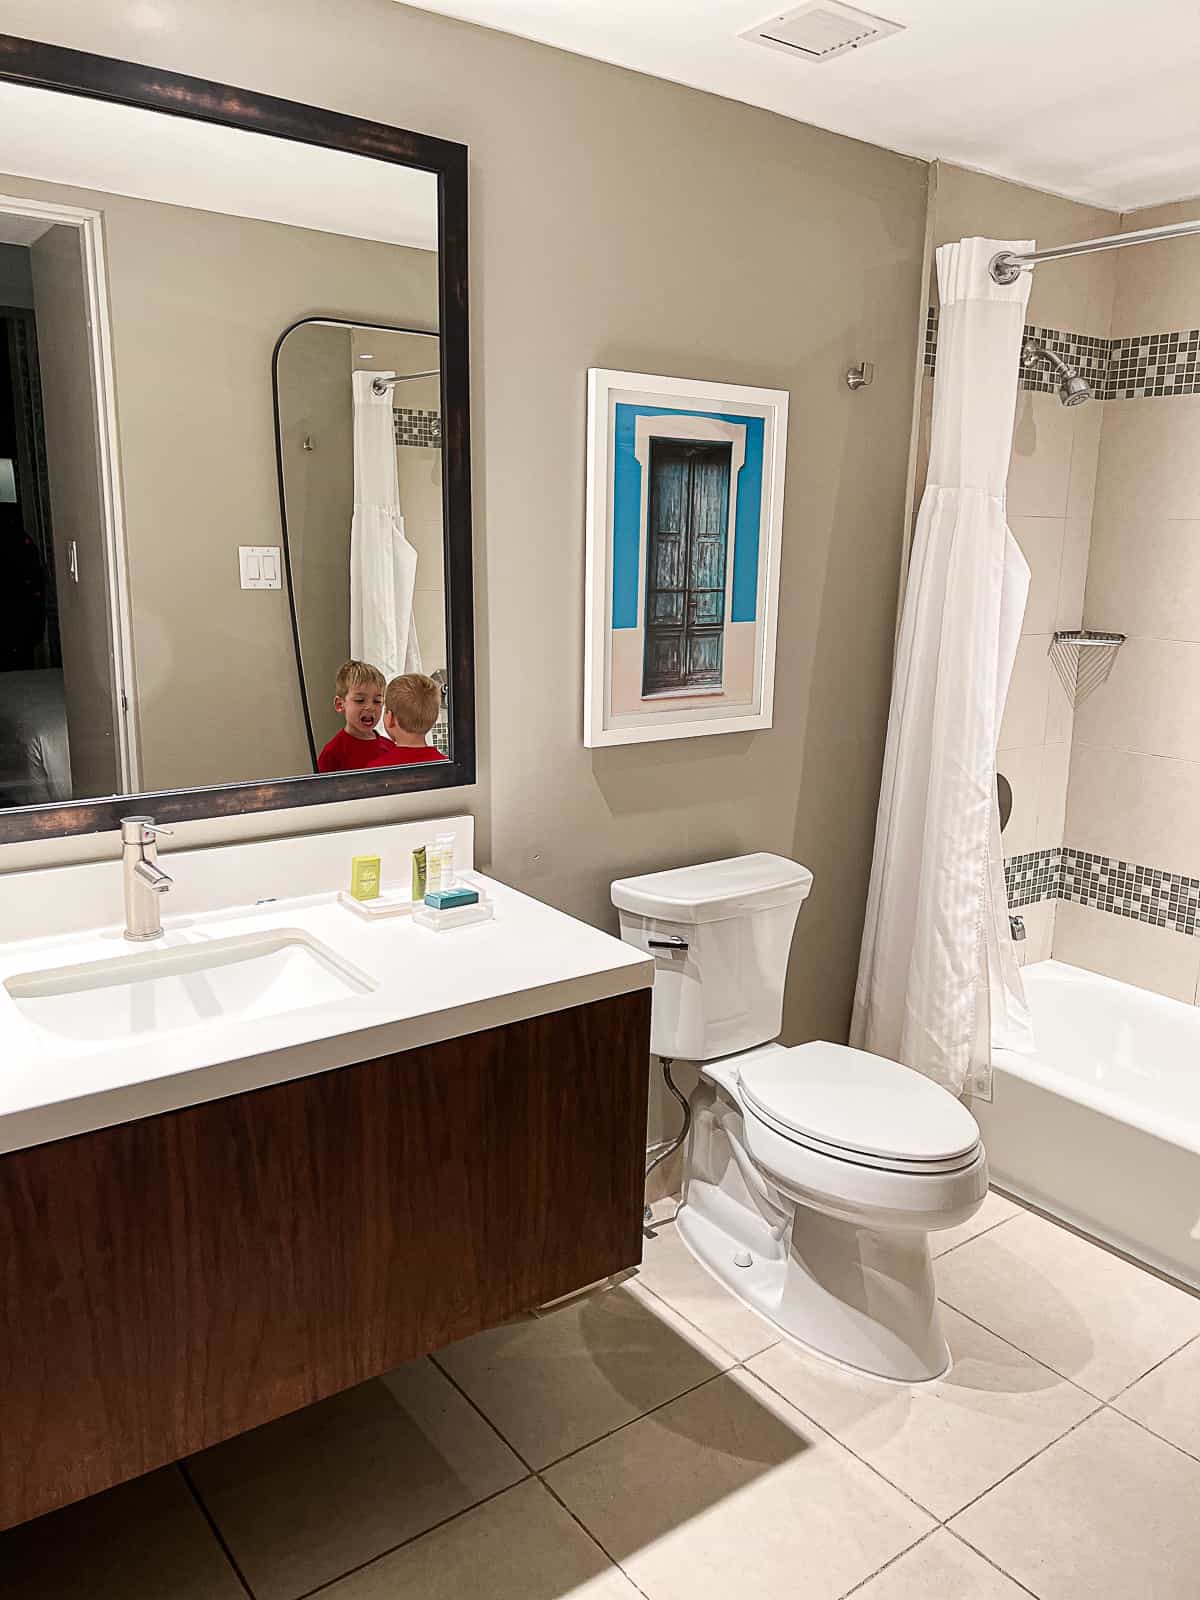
[380, 386]
[383, 384]
[1008, 265]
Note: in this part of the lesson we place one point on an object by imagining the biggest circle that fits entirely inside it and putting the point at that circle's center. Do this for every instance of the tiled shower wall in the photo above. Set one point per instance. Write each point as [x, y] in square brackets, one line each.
[1135, 762]
[1103, 848]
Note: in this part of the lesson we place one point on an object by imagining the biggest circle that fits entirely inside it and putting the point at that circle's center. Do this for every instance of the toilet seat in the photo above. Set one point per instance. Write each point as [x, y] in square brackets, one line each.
[851, 1106]
[858, 1158]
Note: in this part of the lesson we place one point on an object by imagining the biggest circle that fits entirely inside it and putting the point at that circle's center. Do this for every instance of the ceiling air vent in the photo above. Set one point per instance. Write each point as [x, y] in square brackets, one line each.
[822, 30]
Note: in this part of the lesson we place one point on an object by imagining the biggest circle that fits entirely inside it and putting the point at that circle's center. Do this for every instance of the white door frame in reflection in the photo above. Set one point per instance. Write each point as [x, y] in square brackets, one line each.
[90, 225]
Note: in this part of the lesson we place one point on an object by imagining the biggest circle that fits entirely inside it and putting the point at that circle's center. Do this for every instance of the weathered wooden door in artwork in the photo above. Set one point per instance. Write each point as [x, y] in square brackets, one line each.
[688, 544]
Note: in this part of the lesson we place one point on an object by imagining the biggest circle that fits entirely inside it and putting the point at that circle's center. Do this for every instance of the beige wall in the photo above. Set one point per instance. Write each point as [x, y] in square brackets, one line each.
[197, 301]
[626, 222]
[316, 435]
[1135, 765]
[76, 510]
[1050, 488]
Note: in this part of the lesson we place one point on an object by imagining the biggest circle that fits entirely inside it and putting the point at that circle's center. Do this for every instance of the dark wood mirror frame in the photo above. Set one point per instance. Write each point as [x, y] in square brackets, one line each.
[129, 83]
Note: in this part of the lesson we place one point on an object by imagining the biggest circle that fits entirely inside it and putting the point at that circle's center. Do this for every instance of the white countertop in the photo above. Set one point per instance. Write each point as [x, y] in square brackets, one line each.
[429, 986]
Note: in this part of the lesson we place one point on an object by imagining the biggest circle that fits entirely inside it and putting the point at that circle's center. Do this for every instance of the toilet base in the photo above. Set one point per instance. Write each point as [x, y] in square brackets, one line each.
[859, 1297]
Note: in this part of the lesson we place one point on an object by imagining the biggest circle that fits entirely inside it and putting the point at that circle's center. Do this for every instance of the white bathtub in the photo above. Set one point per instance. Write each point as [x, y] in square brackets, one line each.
[1102, 1128]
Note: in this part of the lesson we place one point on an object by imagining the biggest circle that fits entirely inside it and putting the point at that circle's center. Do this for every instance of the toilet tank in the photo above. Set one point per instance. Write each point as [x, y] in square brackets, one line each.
[720, 934]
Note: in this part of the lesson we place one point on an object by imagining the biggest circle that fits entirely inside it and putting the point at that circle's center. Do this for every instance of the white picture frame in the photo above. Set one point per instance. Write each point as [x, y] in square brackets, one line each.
[652, 670]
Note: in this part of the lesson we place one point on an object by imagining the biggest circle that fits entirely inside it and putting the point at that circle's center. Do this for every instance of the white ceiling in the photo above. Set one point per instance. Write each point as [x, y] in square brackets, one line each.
[64, 138]
[1096, 99]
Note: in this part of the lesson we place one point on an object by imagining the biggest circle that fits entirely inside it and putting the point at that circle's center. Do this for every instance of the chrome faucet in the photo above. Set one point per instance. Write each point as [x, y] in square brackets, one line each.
[145, 880]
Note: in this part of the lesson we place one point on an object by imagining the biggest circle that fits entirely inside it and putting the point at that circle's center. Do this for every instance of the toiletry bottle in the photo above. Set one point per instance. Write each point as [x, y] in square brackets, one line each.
[433, 868]
[444, 845]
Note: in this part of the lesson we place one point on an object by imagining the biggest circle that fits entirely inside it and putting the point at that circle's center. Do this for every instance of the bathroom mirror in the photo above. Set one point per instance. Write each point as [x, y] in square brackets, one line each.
[358, 428]
[205, 505]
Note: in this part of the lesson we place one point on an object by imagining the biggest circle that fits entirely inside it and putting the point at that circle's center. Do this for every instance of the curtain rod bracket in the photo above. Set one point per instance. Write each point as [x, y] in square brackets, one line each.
[1005, 268]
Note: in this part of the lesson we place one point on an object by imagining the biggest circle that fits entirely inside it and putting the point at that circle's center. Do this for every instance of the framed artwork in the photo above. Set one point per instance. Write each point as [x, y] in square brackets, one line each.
[684, 518]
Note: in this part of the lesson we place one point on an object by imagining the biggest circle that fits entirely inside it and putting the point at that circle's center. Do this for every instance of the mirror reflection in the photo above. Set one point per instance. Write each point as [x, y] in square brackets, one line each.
[148, 267]
[360, 434]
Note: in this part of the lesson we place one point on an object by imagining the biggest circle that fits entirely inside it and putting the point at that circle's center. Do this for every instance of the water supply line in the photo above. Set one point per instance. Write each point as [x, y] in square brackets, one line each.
[662, 1151]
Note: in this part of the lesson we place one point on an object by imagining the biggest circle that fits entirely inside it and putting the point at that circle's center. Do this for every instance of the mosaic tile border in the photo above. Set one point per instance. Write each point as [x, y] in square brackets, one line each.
[1143, 894]
[1145, 365]
[1138, 366]
[1032, 878]
[415, 427]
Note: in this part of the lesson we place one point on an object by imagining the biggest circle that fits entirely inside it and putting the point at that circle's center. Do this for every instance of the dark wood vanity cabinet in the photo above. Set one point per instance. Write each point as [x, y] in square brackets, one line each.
[173, 1281]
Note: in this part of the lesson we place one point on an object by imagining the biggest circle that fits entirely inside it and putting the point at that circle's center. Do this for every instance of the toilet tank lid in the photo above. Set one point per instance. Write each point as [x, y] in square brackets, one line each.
[715, 889]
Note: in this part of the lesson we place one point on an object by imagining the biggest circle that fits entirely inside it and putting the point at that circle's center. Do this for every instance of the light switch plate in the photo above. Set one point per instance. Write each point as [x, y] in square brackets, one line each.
[261, 566]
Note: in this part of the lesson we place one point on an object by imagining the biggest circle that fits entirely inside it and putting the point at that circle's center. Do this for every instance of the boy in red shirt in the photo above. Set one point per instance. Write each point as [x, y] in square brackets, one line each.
[412, 703]
[358, 696]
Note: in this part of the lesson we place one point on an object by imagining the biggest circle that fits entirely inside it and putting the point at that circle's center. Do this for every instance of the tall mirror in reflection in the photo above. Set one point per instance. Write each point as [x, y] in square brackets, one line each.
[220, 370]
[358, 416]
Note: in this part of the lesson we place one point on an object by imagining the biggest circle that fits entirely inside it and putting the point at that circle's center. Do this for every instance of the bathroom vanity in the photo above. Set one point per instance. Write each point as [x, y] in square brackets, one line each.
[208, 1221]
[279, 1149]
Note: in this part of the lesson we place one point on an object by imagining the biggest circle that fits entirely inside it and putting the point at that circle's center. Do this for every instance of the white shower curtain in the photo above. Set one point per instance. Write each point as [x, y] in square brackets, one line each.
[383, 565]
[938, 983]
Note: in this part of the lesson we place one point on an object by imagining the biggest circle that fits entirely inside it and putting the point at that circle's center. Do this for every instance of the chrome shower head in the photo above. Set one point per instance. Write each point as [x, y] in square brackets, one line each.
[1072, 389]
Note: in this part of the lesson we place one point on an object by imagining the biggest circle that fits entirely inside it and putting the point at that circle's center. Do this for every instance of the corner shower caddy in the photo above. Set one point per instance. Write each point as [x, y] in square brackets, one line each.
[1083, 658]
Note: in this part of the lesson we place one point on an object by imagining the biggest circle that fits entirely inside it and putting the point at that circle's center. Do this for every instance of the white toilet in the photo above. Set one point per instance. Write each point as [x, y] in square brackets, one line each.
[813, 1175]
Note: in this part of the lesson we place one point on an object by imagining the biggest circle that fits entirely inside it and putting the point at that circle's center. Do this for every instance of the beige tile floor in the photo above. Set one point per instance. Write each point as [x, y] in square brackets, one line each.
[659, 1440]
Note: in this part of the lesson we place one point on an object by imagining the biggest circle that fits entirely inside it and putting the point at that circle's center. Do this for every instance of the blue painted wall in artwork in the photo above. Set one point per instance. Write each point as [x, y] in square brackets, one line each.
[627, 511]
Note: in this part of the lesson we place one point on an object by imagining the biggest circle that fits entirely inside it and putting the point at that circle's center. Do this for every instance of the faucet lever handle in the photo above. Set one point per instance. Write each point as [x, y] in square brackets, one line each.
[156, 827]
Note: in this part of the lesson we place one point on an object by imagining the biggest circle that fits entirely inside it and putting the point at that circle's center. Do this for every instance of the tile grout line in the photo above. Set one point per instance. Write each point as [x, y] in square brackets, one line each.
[590, 1536]
[995, 1565]
[1146, 1428]
[1012, 1344]
[401, 1544]
[1020, 1467]
[890, 1562]
[190, 1484]
[850, 1451]
[530, 1470]
[1134, 1382]
[632, 1421]
[982, 1234]
[538, 1474]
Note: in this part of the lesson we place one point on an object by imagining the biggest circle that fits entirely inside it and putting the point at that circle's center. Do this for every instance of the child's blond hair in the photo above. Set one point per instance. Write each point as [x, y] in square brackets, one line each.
[353, 673]
[414, 700]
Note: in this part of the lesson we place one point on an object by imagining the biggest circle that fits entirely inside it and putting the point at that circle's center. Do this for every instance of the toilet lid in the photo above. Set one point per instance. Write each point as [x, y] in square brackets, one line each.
[848, 1100]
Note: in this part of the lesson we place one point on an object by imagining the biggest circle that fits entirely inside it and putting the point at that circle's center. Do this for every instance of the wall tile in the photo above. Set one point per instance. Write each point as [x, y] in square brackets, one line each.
[1135, 807]
[1023, 769]
[1150, 701]
[1041, 540]
[1052, 797]
[1073, 574]
[1039, 471]
[1144, 575]
[1024, 721]
[1151, 958]
[1039, 932]
[1149, 464]
[1060, 693]
[1086, 426]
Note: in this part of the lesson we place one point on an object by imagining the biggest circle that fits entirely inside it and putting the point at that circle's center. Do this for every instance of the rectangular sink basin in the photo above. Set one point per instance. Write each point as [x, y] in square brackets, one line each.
[149, 992]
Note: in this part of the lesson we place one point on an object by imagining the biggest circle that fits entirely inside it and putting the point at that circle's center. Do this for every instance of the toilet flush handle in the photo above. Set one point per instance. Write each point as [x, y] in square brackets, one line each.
[671, 942]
